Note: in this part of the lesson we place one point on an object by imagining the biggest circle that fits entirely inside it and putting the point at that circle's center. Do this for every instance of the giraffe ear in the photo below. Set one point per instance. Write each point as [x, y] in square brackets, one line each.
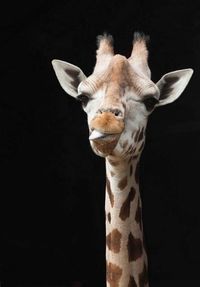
[69, 76]
[172, 84]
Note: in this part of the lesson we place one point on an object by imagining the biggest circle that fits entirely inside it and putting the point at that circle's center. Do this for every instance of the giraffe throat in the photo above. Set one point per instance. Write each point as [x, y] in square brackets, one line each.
[126, 259]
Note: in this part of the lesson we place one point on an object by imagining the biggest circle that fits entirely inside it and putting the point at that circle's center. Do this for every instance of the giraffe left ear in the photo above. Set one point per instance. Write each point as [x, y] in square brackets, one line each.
[172, 84]
[69, 76]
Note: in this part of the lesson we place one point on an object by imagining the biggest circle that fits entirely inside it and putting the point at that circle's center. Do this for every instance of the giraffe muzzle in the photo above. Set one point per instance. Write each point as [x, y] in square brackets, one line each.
[106, 126]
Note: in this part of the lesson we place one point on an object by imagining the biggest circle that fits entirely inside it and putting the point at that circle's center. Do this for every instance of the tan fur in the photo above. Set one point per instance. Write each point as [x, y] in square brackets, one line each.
[140, 50]
[104, 53]
[139, 57]
[119, 65]
[118, 74]
[109, 191]
[113, 240]
[114, 274]
[107, 123]
[105, 46]
[105, 147]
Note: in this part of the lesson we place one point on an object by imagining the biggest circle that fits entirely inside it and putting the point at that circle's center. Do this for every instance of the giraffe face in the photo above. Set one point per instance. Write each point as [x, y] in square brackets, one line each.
[118, 103]
[119, 95]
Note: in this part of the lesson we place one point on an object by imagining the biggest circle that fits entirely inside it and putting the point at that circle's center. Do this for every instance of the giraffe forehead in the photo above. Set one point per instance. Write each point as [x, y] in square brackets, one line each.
[118, 70]
[115, 78]
[119, 74]
[115, 74]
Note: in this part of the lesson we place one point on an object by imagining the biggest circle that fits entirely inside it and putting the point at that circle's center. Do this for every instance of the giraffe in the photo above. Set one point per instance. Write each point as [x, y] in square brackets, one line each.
[118, 98]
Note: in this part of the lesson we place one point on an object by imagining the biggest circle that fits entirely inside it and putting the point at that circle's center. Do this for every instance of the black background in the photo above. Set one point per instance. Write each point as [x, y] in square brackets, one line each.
[52, 185]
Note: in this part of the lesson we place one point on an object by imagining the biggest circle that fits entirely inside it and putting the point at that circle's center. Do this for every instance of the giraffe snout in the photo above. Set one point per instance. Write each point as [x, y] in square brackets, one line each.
[108, 122]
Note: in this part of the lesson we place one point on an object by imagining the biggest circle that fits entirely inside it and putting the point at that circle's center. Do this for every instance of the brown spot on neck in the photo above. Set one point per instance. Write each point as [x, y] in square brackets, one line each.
[113, 241]
[109, 217]
[137, 172]
[109, 191]
[130, 159]
[133, 158]
[138, 214]
[112, 173]
[134, 247]
[129, 149]
[124, 145]
[141, 147]
[133, 149]
[143, 277]
[132, 282]
[125, 209]
[141, 135]
[123, 183]
[114, 274]
[137, 135]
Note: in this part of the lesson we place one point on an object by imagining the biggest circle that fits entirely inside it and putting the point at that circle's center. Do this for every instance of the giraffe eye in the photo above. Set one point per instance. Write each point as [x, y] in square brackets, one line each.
[150, 103]
[83, 99]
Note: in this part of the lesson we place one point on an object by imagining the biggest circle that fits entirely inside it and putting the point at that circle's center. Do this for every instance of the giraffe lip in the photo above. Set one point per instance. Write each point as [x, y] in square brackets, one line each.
[97, 135]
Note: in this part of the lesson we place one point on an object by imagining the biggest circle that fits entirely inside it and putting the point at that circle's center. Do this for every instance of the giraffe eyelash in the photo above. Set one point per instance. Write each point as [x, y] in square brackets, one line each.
[83, 98]
[150, 102]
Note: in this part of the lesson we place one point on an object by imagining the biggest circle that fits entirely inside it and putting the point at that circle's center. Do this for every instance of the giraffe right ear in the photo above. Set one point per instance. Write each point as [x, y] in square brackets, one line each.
[69, 76]
[172, 84]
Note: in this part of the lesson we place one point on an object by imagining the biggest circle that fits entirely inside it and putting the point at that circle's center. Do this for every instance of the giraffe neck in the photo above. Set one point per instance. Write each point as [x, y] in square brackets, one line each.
[125, 254]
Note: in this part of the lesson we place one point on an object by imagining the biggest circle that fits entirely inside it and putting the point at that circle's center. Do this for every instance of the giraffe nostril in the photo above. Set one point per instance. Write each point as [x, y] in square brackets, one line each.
[116, 112]
[100, 111]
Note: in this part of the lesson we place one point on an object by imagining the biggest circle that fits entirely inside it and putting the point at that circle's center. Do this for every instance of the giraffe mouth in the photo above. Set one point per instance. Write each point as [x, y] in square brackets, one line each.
[97, 135]
[103, 143]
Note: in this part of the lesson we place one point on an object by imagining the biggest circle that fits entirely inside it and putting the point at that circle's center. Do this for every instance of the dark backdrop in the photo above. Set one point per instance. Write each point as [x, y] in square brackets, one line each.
[52, 185]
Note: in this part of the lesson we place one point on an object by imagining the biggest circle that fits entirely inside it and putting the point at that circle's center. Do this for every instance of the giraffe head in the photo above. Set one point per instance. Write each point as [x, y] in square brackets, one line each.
[119, 95]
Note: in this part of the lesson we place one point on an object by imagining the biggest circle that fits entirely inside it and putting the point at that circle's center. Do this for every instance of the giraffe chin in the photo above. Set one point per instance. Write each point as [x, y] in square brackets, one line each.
[105, 146]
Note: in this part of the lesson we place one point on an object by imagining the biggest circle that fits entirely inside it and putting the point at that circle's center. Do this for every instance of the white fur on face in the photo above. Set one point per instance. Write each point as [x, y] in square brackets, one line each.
[135, 119]
[94, 104]
[119, 87]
